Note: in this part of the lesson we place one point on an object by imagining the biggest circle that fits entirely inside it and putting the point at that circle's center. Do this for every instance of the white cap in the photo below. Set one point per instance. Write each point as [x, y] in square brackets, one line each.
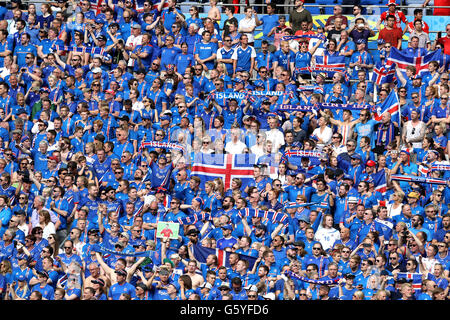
[270, 296]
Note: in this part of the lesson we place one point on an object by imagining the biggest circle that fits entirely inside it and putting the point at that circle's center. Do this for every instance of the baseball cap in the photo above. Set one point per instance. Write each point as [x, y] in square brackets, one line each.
[119, 244]
[299, 243]
[252, 288]
[21, 111]
[99, 20]
[164, 272]
[391, 3]
[199, 200]
[206, 285]
[20, 212]
[21, 278]
[99, 281]
[136, 26]
[303, 217]
[125, 118]
[361, 41]
[224, 285]
[356, 156]
[96, 70]
[371, 163]
[165, 117]
[43, 273]
[54, 158]
[227, 227]
[121, 272]
[414, 194]
[269, 296]
[349, 276]
[353, 199]
[192, 232]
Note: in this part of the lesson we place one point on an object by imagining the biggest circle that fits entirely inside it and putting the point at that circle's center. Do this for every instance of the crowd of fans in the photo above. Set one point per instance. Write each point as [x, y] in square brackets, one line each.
[103, 112]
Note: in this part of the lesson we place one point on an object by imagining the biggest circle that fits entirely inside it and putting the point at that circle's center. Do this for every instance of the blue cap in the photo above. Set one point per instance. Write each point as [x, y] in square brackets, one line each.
[21, 278]
[199, 199]
[99, 20]
[21, 110]
[139, 243]
[227, 227]
[359, 41]
[302, 217]
[416, 110]
[356, 156]
[71, 91]
[238, 80]
[381, 41]
[164, 118]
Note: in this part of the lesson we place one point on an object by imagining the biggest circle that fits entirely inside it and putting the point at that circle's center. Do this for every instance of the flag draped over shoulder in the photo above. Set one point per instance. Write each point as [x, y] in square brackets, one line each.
[201, 253]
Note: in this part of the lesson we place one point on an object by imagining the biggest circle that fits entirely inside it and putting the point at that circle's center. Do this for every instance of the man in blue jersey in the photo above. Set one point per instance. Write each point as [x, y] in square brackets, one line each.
[205, 52]
[243, 57]
[122, 286]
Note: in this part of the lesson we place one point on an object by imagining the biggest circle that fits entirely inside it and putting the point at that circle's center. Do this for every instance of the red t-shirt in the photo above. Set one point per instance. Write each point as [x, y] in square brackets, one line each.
[445, 41]
[391, 36]
[441, 11]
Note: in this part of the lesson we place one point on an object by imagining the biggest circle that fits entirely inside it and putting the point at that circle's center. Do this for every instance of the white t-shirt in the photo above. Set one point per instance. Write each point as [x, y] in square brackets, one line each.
[235, 148]
[248, 23]
[325, 135]
[327, 237]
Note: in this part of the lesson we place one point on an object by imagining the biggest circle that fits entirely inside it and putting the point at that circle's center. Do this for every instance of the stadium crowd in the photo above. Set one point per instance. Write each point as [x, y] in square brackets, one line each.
[104, 111]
